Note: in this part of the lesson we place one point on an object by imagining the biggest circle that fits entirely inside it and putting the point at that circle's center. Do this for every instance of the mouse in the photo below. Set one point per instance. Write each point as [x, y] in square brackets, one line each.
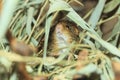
[64, 33]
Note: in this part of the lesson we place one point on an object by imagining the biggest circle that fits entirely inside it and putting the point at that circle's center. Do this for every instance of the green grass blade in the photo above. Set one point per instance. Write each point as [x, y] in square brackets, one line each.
[47, 30]
[6, 15]
[96, 14]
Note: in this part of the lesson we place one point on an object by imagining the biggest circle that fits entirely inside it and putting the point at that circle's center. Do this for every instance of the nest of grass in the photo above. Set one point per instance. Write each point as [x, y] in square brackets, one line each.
[25, 32]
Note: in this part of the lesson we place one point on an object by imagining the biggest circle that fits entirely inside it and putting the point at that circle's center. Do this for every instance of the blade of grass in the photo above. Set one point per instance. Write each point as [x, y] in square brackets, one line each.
[111, 5]
[105, 44]
[47, 30]
[96, 14]
[6, 15]
[30, 13]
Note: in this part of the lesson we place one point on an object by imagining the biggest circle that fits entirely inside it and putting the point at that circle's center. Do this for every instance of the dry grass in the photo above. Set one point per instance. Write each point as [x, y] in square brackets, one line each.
[31, 21]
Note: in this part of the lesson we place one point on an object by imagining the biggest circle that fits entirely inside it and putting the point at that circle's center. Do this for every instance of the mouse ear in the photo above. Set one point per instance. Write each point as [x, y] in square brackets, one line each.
[73, 27]
[76, 30]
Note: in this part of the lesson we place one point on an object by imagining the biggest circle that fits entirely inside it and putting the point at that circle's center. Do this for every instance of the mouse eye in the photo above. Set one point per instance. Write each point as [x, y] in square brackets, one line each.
[67, 26]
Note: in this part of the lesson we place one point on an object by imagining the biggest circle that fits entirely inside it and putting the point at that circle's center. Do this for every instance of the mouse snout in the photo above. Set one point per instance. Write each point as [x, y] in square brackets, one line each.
[59, 28]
